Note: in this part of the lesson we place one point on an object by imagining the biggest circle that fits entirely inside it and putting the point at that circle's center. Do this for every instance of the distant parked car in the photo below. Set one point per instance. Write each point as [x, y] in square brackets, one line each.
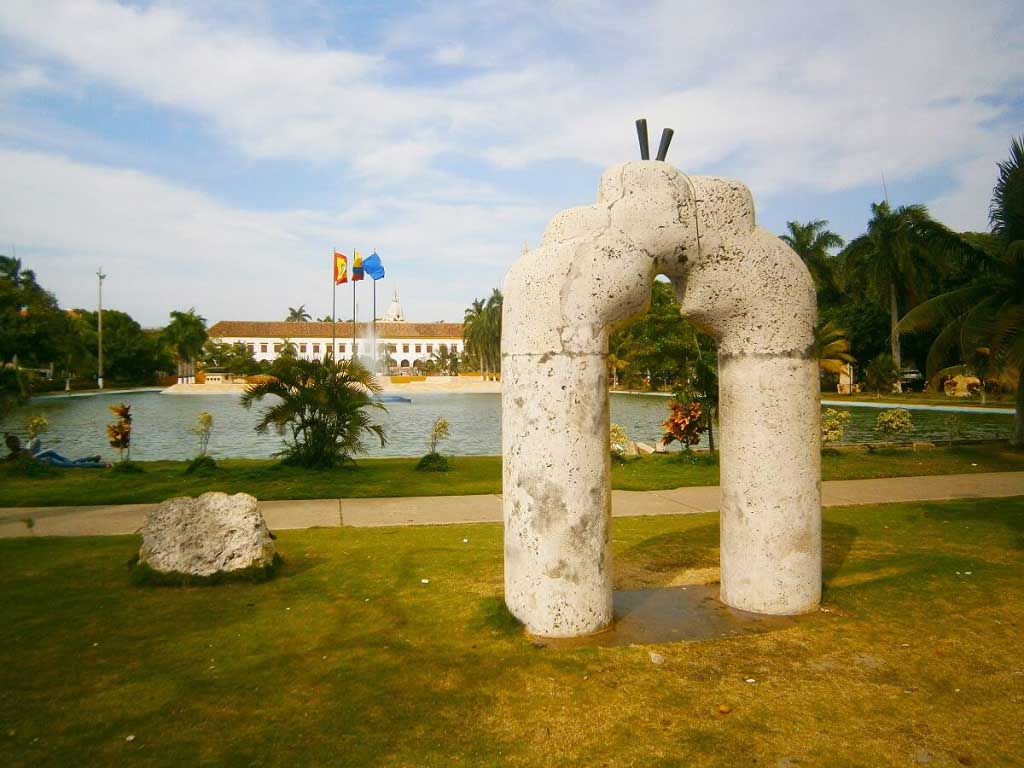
[911, 380]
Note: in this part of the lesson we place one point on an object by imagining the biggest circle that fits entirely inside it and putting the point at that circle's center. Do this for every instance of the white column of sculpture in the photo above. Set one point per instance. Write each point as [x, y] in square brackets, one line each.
[592, 270]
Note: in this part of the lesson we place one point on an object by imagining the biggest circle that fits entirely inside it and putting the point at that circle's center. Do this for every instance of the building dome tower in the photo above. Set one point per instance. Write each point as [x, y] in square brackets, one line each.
[394, 313]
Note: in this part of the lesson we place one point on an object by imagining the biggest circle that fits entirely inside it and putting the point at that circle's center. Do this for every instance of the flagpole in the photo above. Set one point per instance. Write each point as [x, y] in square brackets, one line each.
[334, 301]
[374, 325]
[353, 304]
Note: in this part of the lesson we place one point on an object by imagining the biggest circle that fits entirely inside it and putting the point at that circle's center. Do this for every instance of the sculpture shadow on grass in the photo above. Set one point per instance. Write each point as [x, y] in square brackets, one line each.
[665, 559]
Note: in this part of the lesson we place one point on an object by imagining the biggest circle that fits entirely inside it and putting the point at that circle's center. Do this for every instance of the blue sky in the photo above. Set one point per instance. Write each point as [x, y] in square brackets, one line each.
[212, 154]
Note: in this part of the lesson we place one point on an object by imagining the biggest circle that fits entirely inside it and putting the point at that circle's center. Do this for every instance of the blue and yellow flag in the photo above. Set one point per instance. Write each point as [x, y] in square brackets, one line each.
[357, 266]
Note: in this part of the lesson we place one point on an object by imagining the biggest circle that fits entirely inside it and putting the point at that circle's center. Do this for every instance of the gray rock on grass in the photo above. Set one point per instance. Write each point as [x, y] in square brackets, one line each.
[214, 533]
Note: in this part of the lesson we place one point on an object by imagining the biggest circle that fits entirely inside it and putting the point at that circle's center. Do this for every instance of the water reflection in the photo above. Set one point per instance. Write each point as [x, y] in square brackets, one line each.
[162, 422]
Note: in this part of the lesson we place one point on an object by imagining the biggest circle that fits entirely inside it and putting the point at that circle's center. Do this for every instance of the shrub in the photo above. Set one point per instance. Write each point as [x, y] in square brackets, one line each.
[833, 425]
[433, 462]
[128, 467]
[894, 422]
[201, 464]
[35, 426]
[881, 374]
[684, 424]
[321, 410]
[202, 429]
[618, 439]
[120, 432]
[439, 432]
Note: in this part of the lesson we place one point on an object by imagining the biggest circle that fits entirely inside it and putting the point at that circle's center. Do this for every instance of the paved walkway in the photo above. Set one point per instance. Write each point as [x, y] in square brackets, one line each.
[442, 510]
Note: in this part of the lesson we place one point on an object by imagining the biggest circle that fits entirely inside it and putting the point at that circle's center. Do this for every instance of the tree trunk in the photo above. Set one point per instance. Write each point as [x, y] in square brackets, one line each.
[894, 318]
[711, 430]
[1017, 438]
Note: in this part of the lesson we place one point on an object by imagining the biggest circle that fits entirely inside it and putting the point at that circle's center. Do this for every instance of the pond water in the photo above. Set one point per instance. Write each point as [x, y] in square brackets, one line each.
[161, 424]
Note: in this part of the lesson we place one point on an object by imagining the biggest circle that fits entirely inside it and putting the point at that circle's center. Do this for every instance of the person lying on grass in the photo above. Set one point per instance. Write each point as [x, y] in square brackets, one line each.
[51, 457]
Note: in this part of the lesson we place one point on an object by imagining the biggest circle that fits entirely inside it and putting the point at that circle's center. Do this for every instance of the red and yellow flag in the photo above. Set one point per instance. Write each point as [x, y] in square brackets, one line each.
[340, 268]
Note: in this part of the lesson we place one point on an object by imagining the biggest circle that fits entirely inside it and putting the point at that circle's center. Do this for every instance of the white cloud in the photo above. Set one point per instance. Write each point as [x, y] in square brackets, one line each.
[774, 94]
[166, 247]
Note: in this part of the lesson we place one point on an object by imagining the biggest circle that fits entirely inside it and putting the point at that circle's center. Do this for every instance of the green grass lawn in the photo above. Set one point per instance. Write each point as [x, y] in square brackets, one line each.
[471, 475]
[348, 659]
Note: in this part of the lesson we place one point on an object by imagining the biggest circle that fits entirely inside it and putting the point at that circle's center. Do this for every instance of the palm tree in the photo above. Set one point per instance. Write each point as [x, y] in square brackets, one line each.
[447, 361]
[832, 348]
[298, 315]
[10, 269]
[321, 409]
[492, 328]
[185, 334]
[481, 333]
[812, 243]
[472, 332]
[988, 313]
[898, 257]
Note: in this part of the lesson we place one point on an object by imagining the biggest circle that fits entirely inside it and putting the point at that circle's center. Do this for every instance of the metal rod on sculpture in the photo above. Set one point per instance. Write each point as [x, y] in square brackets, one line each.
[641, 134]
[666, 139]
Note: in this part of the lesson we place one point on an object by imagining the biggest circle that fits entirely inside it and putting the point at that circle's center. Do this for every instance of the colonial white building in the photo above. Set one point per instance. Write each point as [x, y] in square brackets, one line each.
[409, 345]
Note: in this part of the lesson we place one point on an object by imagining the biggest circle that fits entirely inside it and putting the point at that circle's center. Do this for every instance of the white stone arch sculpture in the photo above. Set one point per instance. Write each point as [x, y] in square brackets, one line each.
[593, 271]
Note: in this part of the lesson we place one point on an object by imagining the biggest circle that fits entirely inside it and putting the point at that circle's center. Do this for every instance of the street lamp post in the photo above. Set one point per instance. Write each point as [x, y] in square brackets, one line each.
[99, 334]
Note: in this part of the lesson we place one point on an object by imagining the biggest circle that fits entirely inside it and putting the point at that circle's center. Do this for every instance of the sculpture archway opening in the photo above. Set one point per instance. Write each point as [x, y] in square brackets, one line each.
[593, 271]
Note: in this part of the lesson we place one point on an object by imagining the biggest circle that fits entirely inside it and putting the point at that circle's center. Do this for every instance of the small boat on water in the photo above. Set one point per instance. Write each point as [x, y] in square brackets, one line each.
[391, 399]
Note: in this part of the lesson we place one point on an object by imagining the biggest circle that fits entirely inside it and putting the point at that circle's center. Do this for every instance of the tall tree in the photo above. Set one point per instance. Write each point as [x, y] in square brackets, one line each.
[813, 242]
[185, 335]
[298, 315]
[472, 332]
[899, 256]
[988, 313]
[657, 347]
[31, 323]
[482, 333]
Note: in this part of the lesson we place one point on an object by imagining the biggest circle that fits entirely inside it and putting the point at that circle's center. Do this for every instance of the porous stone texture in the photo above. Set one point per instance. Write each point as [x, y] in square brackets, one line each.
[591, 272]
[210, 534]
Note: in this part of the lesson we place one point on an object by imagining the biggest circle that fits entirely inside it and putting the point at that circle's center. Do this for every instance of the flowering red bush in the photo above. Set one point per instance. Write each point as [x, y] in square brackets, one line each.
[683, 423]
[119, 434]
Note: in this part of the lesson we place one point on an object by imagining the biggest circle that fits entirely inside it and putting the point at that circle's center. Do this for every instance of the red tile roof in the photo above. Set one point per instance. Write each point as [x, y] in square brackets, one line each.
[282, 330]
